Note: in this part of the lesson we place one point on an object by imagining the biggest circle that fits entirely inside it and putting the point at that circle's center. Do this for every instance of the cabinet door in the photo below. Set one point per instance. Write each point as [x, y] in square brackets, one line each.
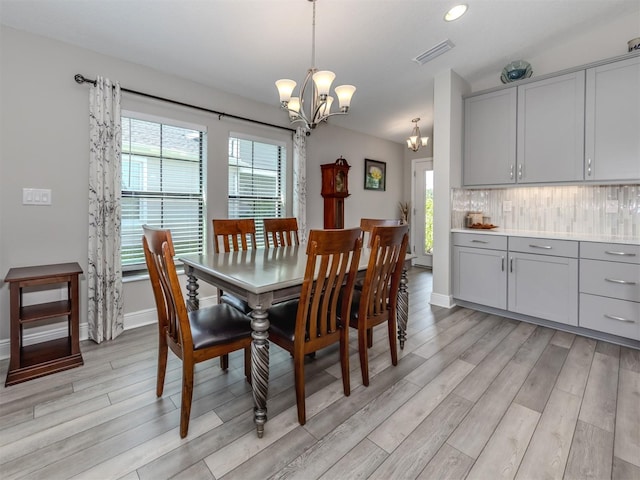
[544, 286]
[479, 276]
[490, 138]
[612, 127]
[551, 129]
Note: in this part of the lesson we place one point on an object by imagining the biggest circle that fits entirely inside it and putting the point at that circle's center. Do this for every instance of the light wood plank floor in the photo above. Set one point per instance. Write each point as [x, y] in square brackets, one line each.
[473, 396]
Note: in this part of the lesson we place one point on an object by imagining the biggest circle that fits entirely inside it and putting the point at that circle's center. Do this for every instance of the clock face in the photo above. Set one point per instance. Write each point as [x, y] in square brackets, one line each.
[340, 187]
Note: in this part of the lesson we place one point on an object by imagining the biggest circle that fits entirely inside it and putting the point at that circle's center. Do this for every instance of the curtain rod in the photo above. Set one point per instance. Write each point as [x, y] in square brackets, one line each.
[81, 79]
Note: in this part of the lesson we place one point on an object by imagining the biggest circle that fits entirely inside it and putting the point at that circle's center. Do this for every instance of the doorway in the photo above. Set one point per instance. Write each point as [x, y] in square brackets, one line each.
[422, 221]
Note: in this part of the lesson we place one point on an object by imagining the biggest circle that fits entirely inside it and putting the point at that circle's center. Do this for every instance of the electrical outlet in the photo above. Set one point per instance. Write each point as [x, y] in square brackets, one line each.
[507, 206]
[612, 206]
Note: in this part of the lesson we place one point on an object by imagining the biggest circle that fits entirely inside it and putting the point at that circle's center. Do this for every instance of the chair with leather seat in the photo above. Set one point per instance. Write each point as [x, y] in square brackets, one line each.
[233, 234]
[193, 336]
[376, 303]
[311, 323]
[367, 224]
[281, 232]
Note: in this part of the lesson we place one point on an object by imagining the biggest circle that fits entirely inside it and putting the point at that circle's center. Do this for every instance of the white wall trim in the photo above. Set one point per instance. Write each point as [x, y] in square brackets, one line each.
[131, 320]
[440, 300]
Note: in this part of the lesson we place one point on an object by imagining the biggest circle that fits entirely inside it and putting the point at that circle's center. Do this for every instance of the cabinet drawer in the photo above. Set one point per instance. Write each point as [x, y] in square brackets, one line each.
[618, 317]
[610, 279]
[614, 252]
[544, 246]
[479, 240]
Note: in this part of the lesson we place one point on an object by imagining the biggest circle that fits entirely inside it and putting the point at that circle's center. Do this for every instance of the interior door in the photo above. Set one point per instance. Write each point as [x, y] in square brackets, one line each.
[422, 211]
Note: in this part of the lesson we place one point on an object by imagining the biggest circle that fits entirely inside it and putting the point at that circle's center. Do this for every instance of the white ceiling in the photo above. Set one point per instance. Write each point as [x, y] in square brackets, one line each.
[243, 46]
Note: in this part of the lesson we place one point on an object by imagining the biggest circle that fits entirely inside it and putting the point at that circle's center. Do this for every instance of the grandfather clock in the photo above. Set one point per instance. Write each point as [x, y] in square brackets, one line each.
[335, 188]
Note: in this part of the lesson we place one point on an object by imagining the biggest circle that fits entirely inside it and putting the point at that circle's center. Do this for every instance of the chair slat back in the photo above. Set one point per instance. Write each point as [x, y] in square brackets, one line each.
[332, 265]
[167, 291]
[281, 232]
[367, 224]
[382, 280]
[234, 233]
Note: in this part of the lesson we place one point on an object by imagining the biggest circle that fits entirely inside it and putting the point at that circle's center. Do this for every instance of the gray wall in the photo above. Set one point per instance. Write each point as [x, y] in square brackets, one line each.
[44, 144]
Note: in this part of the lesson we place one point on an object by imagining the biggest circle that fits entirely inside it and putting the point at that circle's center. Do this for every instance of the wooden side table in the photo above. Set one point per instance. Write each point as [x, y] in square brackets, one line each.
[32, 361]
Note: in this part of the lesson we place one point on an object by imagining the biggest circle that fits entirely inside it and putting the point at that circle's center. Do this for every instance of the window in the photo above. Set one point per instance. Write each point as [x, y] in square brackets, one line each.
[256, 181]
[162, 185]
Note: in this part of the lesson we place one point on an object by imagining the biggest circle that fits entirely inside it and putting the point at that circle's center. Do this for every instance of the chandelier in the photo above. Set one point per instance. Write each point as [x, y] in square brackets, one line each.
[415, 140]
[317, 108]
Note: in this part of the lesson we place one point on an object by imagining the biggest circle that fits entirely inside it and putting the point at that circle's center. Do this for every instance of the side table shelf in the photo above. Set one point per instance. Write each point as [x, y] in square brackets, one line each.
[32, 361]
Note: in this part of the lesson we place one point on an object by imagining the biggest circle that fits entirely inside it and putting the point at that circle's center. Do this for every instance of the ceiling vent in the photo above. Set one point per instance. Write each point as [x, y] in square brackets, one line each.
[434, 52]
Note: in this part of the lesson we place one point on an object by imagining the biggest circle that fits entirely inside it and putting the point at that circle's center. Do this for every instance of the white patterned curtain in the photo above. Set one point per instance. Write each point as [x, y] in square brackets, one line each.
[300, 181]
[104, 276]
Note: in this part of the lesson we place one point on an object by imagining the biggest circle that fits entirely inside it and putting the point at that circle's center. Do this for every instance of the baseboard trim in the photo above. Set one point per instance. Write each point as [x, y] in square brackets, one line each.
[131, 320]
[440, 300]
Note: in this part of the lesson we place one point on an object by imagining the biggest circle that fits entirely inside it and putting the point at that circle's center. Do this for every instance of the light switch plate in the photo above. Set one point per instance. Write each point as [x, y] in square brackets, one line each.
[507, 206]
[36, 196]
[612, 206]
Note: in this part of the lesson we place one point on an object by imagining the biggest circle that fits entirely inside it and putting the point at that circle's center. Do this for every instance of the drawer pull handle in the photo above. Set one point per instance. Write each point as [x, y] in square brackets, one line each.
[478, 241]
[621, 282]
[620, 253]
[620, 319]
[502, 260]
[546, 247]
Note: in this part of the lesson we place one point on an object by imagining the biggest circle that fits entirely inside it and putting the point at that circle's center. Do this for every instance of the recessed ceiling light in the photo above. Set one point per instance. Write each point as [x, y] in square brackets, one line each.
[455, 13]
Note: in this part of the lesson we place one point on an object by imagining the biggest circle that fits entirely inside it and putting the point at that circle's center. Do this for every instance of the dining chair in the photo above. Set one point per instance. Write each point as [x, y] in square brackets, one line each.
[233, 234]
[193, 336]
[281, 232]
[310, 323]
[367, 224]
[376, 303]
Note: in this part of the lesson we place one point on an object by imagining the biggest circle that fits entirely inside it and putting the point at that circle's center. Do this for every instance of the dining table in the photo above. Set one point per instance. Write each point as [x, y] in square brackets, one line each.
[263, 277]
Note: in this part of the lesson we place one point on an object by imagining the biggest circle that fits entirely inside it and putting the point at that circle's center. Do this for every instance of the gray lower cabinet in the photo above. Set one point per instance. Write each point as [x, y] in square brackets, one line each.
[610, 288]
[590, 285]
[479, 269]
[544, 286]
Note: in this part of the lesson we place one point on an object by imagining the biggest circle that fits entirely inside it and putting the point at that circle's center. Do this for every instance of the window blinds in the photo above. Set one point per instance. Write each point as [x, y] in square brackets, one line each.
[162, 186]
[256, 181]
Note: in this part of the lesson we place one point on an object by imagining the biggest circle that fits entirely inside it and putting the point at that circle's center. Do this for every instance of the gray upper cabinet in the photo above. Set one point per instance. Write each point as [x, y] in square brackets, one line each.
[490, 138]
[612, 130]
[550, 135]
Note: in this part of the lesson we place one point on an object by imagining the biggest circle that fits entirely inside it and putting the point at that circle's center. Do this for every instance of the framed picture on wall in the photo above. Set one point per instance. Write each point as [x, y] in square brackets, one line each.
[375, 175]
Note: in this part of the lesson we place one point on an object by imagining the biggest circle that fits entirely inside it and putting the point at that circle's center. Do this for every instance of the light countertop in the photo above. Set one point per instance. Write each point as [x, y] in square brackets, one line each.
[583, 237]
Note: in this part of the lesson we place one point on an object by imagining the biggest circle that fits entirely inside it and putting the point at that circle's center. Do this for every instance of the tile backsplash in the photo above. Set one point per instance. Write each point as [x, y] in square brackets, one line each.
[600, 210]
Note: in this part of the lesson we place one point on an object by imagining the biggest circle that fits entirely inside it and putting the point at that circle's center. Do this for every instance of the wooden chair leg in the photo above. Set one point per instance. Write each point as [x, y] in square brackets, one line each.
[224, 361]
[187, 395]
[162, 364]
[393, 346]
[247, 363]
[370, 338]
[363, 336]
[344, 361]
[298, 368]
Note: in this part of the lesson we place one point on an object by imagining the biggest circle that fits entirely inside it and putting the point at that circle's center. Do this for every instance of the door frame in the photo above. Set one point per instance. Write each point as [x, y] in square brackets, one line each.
[417, 231]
